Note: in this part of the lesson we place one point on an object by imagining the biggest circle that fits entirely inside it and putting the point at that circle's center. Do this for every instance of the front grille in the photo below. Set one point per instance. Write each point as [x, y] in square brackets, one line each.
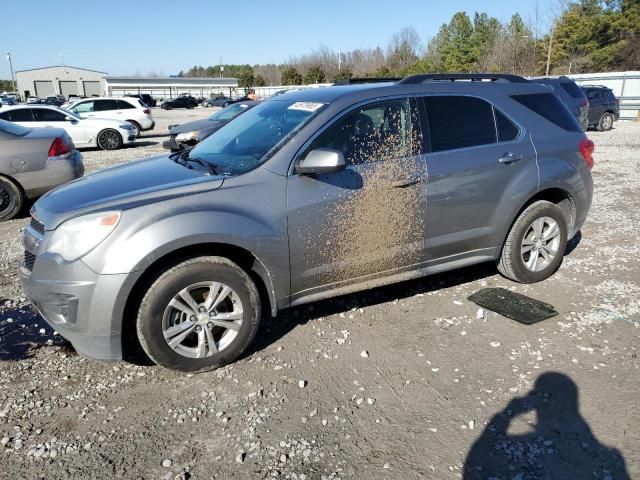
[29, 260]
[37, 226]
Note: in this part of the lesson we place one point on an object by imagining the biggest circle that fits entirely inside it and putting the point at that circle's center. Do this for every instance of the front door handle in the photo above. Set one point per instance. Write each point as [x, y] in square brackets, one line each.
[405, 182]
[509, 157]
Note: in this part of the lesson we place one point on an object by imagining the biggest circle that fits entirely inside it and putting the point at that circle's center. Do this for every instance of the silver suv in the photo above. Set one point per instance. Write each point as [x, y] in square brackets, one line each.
[309, 195]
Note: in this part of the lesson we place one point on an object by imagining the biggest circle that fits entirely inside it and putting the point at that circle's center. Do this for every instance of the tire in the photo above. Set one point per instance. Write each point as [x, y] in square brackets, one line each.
[137, 127]
[109, 139]
[225, 104]
[11, 199]
[606, 122]
[158, 314]
[515, 261]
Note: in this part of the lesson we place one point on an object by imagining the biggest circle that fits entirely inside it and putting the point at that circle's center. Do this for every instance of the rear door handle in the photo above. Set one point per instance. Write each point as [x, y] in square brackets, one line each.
[405, 182]
[509, 157]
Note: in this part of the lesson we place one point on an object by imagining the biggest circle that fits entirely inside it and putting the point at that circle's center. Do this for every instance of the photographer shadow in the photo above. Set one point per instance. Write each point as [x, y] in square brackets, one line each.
[560, 447]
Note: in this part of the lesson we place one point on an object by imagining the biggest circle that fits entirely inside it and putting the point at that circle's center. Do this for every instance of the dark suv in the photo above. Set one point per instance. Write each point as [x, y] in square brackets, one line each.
[308, 195]
[571, 95]
[604, 107]
[180, 102]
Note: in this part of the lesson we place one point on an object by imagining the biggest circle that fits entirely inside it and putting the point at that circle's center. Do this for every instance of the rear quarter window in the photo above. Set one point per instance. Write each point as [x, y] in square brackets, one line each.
[572, 89]
[549, 107]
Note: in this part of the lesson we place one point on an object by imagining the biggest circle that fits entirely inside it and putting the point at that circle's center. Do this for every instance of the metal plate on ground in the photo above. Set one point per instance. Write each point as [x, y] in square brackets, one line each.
[513, 305]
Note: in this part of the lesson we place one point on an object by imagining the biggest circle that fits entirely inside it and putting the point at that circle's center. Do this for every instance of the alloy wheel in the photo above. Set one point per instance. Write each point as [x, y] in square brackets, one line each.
[202, 319]
[540, 244]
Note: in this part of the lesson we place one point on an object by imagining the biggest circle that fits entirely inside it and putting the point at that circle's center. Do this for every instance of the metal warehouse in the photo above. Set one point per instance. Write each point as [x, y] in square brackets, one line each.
[59, 80]
[169, 87]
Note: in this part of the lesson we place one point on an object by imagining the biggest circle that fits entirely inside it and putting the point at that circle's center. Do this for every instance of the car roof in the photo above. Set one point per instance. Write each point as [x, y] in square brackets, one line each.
[363, 91]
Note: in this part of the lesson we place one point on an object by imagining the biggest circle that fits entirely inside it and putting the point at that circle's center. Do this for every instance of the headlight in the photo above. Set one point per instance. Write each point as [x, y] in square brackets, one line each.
[78, 236]
[127, 126]
[181, 137]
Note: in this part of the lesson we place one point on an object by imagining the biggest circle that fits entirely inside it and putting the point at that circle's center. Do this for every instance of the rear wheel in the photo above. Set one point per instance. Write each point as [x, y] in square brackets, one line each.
[535, 245]
[109, 139]
[606, 122]
[199, 315]
[11, 199]
[136, 125]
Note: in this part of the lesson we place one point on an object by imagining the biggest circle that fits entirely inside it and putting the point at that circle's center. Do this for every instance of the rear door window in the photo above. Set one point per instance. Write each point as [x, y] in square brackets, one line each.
[46, 115]
[105, 105]
[21, 115]
[459, 122]
[549, 107]
[593, 93]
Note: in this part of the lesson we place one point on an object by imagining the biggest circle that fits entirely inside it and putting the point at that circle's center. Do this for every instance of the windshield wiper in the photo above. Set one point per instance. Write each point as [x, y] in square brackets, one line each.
[183, 158]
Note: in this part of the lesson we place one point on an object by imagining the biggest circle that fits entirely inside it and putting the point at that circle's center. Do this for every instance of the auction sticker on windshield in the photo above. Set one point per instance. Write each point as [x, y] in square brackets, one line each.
[306, 106]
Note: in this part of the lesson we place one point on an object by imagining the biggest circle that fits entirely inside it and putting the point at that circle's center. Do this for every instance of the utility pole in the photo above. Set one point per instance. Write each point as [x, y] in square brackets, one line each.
[549, 51]
[13, 80]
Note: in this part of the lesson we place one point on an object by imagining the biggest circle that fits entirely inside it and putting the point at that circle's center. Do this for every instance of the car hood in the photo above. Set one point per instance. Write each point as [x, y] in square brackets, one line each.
[121, 188]
[196, 126]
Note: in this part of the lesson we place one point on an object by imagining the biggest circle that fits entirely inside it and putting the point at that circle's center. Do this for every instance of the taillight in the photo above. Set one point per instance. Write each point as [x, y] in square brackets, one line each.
[59, 147]
[586, 149]
[147, 111]
[617, 102]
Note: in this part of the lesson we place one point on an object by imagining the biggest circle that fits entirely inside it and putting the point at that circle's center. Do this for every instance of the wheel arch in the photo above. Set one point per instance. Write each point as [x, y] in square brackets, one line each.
[556, 195]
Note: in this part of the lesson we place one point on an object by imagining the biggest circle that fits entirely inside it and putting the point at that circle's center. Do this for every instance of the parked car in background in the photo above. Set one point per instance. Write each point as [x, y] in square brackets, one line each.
[216, 101]
[191, 133]
[571, 95]
[604, 107]
[57, 100]
[85, 132]
[32, 162]
[315, 194]
[244, 98]
[8, 100]
[131, 110]
[146, 99]
[179, 102]
[34, 100]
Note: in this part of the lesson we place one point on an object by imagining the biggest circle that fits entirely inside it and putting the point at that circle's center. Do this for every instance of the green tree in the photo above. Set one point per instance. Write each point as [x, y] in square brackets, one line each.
[458, 52]
[290, 76]
[245, 79]
[314, 74]
[259, 81]
[343, 74]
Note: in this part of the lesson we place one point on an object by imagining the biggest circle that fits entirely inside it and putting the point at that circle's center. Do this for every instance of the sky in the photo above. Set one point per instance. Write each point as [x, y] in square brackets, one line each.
[163, 37]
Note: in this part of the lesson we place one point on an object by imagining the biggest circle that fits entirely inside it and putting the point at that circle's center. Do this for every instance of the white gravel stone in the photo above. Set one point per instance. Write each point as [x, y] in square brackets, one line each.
[166, 463]
[364, 354]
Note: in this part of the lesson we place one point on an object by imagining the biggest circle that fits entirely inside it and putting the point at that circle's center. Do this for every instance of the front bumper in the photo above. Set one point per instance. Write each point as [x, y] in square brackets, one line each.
[172, 144]
[77, 302]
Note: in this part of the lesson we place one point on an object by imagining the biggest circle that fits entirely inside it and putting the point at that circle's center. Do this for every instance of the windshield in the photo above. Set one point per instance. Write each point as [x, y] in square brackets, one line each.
[255, 136]
[13, 128]
[229, 112]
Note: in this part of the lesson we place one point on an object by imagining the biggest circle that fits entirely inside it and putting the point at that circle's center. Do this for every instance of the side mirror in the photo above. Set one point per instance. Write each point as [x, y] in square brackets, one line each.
[321, 160]
[70, 119]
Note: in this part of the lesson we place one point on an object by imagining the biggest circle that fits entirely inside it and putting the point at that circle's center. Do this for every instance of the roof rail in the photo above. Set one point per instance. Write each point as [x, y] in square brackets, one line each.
[593, 85]
[474, 77]
[354, 81]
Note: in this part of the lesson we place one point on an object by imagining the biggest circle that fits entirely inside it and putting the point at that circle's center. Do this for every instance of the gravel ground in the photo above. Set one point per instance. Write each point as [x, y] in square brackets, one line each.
[409, 381]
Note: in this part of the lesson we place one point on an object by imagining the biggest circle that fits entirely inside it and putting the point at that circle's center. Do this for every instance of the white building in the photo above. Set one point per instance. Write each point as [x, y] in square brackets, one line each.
[59, 80]
[170, 87]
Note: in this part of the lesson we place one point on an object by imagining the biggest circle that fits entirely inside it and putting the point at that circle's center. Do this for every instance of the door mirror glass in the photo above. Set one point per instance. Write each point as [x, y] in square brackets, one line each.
[321, 160]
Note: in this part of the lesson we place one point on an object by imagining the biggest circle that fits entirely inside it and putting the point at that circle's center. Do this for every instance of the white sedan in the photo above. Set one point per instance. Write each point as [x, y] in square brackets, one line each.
[85, 132]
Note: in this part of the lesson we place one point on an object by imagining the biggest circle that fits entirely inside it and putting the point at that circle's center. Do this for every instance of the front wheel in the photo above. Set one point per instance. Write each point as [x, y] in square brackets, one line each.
[535, 246]
[199, 315]
[109, 139]
[606, 122]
